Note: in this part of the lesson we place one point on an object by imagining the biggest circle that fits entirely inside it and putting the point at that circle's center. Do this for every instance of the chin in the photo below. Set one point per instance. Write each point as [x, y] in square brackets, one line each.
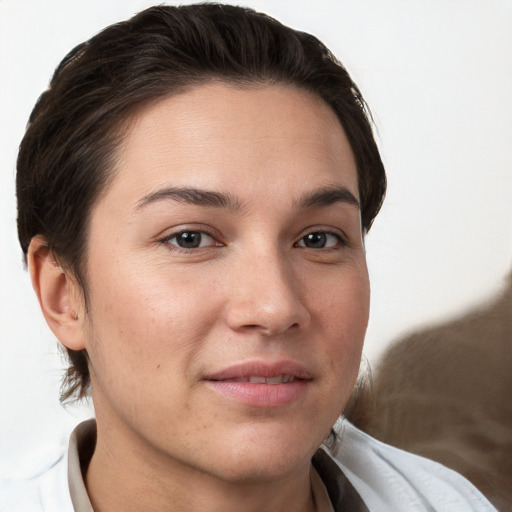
[262, 470]
[265, 456]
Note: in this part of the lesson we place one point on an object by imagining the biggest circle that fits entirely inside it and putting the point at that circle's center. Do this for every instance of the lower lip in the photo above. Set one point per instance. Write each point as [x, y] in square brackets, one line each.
[261, 395]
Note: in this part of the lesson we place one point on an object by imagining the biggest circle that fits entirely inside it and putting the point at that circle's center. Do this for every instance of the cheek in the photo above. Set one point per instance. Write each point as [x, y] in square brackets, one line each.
[343, 302]
[342, 315]
[148, 321]
[143, 338]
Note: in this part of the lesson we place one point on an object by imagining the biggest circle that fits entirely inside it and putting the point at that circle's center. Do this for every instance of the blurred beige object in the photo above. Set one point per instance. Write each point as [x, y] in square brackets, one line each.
[445, 393]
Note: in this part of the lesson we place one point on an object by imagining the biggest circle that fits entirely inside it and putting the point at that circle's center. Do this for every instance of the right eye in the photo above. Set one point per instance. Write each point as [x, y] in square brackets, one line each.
[189, 240]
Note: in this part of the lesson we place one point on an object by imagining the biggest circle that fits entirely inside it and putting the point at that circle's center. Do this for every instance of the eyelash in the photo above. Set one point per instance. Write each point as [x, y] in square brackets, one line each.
[340, 241]
[175, 247]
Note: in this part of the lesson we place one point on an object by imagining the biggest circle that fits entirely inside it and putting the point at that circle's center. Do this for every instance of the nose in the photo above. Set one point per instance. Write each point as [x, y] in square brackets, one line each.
[265, 297]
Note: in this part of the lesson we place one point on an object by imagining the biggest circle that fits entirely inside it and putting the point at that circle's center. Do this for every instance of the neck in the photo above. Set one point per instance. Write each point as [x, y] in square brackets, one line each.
[125, 474]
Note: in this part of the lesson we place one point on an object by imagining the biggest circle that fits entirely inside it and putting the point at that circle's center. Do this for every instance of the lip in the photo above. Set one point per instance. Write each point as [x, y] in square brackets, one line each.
[230, 384]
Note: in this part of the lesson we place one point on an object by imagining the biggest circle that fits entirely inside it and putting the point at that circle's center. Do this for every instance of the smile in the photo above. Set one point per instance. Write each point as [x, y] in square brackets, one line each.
[261, 384]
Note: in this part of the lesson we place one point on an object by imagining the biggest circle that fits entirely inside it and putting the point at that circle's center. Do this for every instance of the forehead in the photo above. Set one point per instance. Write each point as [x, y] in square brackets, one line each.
[218, 134]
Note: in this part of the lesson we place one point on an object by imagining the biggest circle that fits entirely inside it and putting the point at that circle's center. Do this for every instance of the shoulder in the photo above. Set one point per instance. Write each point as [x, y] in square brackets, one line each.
[45, 492]
[389, 479]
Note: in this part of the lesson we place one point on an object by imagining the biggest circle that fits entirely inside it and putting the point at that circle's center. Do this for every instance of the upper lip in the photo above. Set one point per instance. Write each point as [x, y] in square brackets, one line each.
[262, 369]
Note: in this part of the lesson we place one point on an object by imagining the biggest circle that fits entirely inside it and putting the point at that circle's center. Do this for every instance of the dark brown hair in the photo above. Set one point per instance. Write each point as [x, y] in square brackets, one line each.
[66, 156]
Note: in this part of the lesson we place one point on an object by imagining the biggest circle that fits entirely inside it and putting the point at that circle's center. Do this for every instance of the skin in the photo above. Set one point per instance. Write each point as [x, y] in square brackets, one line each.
[162, 318]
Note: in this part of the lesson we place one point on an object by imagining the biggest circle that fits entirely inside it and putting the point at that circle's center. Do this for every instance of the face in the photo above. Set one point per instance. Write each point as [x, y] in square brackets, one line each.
[227, 282]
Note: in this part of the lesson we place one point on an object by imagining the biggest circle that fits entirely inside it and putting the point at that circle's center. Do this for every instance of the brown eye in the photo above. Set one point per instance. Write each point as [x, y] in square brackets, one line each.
[191, 240]
[319, 240]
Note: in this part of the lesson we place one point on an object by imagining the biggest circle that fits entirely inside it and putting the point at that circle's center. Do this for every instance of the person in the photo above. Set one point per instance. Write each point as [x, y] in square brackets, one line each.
[193, 189]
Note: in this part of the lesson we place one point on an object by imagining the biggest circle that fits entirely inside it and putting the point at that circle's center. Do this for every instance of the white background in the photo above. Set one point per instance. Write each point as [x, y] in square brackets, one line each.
[438, 77]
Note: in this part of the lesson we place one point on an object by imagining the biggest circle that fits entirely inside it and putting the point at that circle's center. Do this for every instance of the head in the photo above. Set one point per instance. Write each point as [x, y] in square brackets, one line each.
[83, 125]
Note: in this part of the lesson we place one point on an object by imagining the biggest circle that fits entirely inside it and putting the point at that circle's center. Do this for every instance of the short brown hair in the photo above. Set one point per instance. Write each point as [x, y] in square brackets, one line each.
[66, 155]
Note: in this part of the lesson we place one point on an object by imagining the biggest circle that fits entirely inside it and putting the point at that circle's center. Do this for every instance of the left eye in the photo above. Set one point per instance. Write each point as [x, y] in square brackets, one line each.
[319, 240]
[191, 240]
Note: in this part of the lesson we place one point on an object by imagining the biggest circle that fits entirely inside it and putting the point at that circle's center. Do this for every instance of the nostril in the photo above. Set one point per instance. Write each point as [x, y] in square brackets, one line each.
[271, 330]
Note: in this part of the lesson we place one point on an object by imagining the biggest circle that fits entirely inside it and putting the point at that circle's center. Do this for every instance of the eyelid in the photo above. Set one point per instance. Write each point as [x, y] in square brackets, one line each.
[336, 232]
[203, 230]
[171, 231]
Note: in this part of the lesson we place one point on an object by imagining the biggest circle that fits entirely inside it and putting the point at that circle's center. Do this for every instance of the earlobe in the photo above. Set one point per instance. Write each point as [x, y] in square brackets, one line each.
[57, 293]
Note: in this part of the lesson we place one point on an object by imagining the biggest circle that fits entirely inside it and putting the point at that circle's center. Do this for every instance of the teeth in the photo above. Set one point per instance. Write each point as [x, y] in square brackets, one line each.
[257, 380]
[279, 379]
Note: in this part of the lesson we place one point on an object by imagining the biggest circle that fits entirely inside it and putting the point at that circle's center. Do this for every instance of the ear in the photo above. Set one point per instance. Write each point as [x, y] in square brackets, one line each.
[58, 294]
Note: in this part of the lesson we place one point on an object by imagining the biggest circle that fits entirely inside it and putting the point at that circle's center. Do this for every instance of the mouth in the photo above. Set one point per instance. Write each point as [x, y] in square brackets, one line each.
[262, 385]
[257, 379]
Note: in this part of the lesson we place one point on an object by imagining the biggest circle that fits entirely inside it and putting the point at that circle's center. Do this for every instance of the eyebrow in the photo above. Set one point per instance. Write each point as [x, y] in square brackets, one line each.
[328, 196]
[199, 197]
[193, 196]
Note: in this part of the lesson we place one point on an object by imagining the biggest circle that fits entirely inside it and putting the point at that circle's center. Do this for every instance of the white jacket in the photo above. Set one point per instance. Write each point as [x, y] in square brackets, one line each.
[359, 473]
